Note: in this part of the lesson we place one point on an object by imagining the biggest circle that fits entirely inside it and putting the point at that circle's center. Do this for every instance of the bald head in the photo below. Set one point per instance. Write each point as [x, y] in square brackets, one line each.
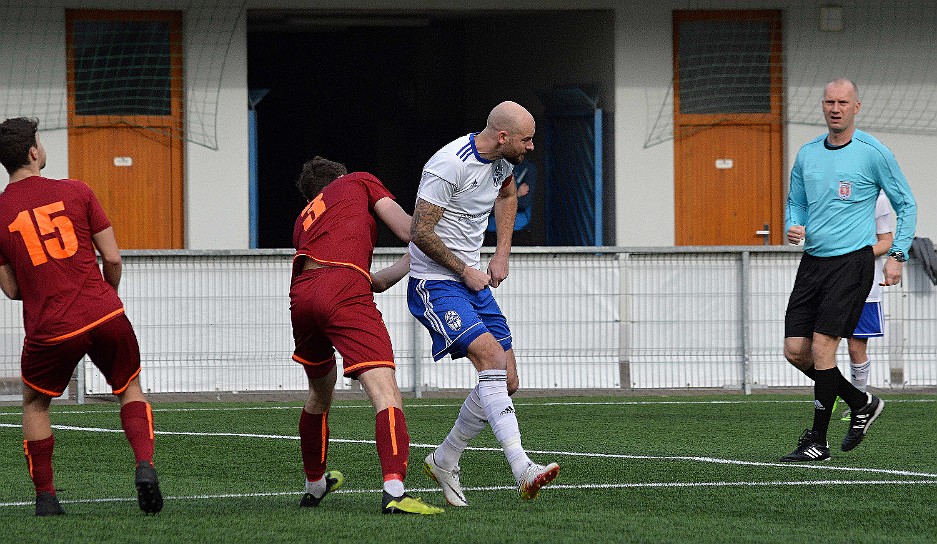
[508, 135]
[843, 83]
[510, 117]
[840, 106]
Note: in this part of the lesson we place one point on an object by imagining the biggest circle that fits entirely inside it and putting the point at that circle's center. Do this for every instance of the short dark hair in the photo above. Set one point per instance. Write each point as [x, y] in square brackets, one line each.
[17, 136]
[317, 174]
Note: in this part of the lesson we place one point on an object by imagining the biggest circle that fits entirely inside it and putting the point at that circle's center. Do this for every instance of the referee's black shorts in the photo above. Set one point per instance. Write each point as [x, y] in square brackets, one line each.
[829, 293]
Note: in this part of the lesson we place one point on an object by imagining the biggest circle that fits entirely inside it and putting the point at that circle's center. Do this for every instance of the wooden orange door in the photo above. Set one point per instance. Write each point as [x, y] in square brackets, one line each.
[129, 170]
[125, 120]
[728, 155]
[727, 194]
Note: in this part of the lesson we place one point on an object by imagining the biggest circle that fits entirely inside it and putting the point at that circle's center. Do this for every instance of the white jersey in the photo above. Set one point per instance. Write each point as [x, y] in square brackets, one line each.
[458, 179]
[882, 225]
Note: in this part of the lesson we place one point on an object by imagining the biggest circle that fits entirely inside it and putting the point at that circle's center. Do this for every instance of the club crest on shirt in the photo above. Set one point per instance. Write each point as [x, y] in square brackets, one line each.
[453, 320]
[845, 190]
[496, 172]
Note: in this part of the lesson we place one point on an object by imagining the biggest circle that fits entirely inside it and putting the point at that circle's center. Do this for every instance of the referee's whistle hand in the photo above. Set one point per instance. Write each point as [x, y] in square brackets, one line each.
[795, 234]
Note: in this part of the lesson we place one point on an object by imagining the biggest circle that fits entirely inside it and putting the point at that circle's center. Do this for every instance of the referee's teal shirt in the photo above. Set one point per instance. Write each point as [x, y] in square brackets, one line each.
[833, 192]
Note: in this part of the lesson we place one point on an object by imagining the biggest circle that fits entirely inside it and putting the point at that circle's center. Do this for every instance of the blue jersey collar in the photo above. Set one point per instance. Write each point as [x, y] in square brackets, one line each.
[475, 150]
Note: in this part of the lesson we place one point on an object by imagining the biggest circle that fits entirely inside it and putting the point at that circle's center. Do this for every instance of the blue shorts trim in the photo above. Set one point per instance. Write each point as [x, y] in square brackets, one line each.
[455, 316]
[871, 322]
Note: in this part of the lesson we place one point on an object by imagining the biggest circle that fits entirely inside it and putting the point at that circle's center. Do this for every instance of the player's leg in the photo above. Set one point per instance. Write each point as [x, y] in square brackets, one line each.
[452, 323]
[390, 427]
[46, 370]
[846, 288]
[314, 434]
[859, 362]
[358, 332]
[113, 348]
[514, 382]
[871, 325]
[826, 381]
[531, 477]
[859, 365]
[38, 443]
[799, 350]
[489, 358]
[136, 418]
[442, 464]
[311, 300]
[393, 442]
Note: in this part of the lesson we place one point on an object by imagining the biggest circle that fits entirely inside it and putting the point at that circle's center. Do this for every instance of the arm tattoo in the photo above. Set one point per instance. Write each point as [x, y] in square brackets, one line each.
[425, 218]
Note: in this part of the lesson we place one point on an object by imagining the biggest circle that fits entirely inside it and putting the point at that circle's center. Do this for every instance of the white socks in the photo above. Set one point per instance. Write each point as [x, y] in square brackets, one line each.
[487, 404]
[316, 488]
[470, 422]
[860, 375]
[499, 410]
[394, 488]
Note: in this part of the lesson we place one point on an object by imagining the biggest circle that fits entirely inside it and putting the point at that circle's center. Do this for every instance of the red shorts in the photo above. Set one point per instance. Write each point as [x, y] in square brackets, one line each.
[333, 308]
[111, 346]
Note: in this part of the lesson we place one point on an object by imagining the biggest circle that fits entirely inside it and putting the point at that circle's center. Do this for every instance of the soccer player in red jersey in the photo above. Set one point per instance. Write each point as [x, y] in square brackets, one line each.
[70, 309]
[332, 307]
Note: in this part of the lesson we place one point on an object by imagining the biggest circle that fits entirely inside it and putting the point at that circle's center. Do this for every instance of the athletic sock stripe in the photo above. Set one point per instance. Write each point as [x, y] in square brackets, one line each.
[149, 420]
[392, 423]
[29, 457]
[325, 435]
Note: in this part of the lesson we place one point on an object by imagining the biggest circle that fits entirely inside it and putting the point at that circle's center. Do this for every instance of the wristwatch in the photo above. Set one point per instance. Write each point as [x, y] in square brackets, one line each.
[898, 255]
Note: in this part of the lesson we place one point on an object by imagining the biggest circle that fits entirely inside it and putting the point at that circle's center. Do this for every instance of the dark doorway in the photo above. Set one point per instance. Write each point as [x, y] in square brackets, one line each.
[379, 99]
[381, 91]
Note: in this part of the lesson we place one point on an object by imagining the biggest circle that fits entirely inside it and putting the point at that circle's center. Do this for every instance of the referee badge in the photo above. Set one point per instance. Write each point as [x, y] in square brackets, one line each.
[453, 320]
[845, 190]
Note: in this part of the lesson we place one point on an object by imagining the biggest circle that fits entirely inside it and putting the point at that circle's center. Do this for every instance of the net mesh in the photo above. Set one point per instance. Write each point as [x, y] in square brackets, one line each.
[885, 47]
[122, 67]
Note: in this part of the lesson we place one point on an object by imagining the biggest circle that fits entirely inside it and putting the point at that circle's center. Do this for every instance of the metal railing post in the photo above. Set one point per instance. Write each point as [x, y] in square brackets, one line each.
[745, 326]
[624, 327]
[80, 382]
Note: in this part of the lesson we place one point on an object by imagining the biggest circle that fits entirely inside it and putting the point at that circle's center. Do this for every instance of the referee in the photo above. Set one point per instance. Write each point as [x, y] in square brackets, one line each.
[834, 184]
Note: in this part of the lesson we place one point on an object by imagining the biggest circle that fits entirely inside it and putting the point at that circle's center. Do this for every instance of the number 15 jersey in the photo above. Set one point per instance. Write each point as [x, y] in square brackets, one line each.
[46, 227]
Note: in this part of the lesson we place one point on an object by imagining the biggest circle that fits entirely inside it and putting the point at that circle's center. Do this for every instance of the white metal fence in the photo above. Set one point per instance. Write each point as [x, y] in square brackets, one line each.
[582, 318]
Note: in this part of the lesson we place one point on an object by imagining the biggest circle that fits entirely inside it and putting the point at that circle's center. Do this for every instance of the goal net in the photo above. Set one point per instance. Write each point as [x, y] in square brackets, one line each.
[124, 63]
[886, 48]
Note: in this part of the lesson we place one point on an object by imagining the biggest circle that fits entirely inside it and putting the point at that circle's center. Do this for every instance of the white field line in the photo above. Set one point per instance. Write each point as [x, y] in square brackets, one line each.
[657, 485]
[456, 403]
[594, 455]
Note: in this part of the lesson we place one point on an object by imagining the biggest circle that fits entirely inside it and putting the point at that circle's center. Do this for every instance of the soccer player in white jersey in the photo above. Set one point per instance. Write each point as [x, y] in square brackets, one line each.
[872, 321]
[450, 294]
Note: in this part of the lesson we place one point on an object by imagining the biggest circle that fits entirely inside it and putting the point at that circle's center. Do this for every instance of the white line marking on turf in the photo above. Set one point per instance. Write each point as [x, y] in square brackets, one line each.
[687, 458]
[457, 402]
[656, 485]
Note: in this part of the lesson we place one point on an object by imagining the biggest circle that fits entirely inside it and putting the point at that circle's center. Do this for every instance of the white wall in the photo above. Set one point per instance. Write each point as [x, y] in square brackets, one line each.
[32, 82]
[644, 176]
[890, 68]
[216, 180]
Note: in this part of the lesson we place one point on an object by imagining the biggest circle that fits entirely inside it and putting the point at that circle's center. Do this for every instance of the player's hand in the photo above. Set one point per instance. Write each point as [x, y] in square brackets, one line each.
[892, 272]
[795, 234]
[497, 270]
[475, 279]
